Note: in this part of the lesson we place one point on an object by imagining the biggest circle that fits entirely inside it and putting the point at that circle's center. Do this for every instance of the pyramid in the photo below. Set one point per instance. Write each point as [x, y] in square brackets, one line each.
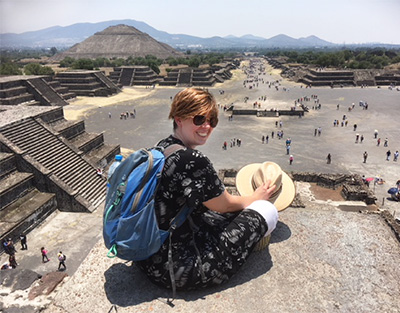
[120, 41]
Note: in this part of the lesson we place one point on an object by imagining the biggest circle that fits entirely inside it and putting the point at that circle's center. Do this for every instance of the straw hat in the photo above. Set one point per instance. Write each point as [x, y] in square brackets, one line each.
[251, 176]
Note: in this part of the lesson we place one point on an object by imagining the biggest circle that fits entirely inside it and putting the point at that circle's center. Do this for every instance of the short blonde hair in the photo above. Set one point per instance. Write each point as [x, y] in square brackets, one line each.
[191, 102]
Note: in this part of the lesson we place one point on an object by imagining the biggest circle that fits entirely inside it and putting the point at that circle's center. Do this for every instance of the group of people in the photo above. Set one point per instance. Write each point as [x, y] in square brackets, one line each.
[232, 143]
[60, 256]
[125, 115]
[9, 248]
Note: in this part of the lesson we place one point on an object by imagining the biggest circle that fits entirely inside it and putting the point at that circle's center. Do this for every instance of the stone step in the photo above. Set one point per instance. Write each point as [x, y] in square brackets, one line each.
[69, 129]
[12, 92]
[15, 100]
[102, 155]
[7, 164]
[14, 186]
[26, 213]
[58, 157]
[46, 158]
[88, 141]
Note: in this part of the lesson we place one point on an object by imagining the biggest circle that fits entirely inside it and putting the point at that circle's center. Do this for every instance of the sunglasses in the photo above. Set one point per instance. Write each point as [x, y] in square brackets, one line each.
[199, 120]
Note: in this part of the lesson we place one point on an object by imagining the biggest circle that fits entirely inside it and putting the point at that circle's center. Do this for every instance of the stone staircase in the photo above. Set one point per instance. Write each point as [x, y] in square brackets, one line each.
[126, 77]
[329, 78]
[58, 159]
[187, 77]
[203, 78]
[87, 83]
[387, 80]
[134, 76]
[14, 92]
[45, 91]
[22, 205]
[31, 91]
[91, 146]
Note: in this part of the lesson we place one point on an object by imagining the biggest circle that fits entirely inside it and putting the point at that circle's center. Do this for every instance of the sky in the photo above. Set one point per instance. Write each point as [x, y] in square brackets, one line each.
[337, 21]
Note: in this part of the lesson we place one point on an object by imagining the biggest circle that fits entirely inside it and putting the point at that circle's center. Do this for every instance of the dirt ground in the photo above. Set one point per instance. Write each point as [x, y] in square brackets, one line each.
[321, 193]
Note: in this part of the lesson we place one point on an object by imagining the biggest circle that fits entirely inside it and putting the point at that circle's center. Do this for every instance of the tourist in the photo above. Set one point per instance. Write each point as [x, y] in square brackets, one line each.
[44, 252]
[22, 239]
[291, 159]
[12, 261]
[216, 239]
[365, 156]
[396, 156]
[328, 159]
[8, 246]
[388, 153]
[385, 144]
[61, 260]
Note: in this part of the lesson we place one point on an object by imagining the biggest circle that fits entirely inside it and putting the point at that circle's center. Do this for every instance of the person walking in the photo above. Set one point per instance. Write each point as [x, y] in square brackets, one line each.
[388, 153]
[396, 156]
[8, 246]
[61, 259]
[12, 261]
[22, 238]
[291, 159]
[365, 155]
[328, 159]
[44, 255]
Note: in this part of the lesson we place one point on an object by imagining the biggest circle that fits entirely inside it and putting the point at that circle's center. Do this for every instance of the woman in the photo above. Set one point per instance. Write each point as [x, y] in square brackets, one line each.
[224, 228]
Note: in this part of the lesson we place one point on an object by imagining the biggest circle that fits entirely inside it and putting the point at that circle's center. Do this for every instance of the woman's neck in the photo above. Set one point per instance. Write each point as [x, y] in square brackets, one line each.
[179, 136]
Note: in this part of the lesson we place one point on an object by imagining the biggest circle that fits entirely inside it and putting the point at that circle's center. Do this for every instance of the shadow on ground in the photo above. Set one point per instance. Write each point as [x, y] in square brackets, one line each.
[127, 286]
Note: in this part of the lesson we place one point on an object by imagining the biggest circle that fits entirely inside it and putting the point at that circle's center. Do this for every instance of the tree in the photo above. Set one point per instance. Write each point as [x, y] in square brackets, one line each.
[37, 69]
[67, 62]
[83, 64]
[53, 50]
[9, 68]
[194, 62]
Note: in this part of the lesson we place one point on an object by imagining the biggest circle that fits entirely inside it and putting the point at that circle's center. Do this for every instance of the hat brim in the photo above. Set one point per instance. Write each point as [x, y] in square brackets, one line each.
[244, 186]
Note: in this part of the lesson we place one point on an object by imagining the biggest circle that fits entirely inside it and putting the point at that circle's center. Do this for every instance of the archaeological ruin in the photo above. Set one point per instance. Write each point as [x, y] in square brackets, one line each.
[46, 161]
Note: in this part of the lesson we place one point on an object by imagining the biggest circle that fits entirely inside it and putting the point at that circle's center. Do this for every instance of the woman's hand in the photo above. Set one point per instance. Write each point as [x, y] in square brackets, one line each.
[228, 203]
[265, 191]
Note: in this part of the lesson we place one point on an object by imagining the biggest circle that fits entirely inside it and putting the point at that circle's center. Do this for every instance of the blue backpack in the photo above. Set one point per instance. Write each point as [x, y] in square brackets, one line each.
[130, 227]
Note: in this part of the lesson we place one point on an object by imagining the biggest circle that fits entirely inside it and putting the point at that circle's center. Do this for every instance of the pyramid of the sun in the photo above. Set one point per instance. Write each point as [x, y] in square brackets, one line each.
[120, 41]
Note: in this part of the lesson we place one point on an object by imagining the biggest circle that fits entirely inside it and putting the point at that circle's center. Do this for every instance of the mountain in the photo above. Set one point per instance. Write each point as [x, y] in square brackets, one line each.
[314, 40]
[64, 37]
[120, 41]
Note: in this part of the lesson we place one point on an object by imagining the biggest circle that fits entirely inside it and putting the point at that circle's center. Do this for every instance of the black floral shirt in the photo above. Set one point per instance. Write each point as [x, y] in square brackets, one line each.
[188, 178]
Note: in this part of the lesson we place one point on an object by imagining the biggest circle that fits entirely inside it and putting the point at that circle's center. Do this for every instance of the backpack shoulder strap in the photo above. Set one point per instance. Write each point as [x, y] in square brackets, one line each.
[172, 149]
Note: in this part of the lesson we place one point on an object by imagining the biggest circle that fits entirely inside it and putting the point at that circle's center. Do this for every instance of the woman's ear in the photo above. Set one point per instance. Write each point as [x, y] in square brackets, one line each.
[178, 121]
